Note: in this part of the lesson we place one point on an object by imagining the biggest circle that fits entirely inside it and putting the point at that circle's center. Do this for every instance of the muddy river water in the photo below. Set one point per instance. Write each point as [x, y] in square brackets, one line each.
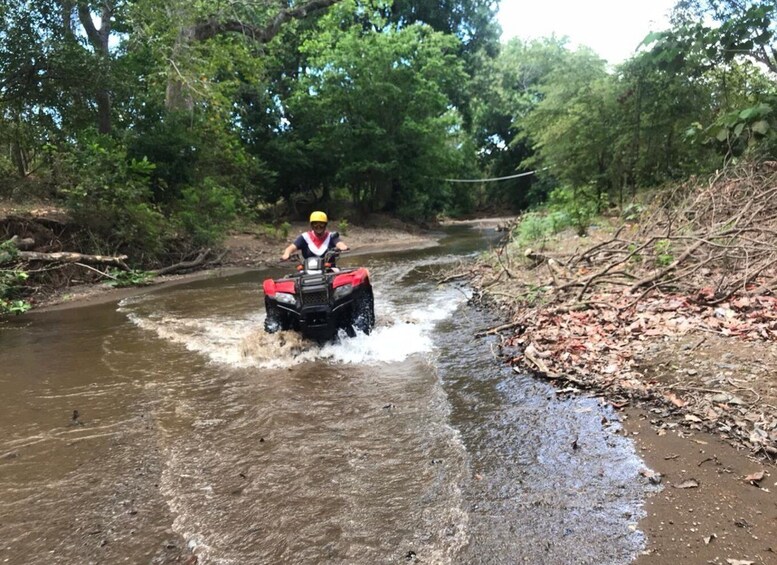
[168, 428]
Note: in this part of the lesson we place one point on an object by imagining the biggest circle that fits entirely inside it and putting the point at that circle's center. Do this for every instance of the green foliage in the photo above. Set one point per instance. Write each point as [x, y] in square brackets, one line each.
[284, 229]
[708, 33]
[342, 226]
[186, 152]
[740, 130]
[663, 251]
[121, 278]
[8, 252]
[206, 212]
[508, 89]
[579, 205]
[13, 306]
[634, 256]
[537, 226]
[108, 194]
[376, 102]
[573, 128]
[631, 212]
[11, 282]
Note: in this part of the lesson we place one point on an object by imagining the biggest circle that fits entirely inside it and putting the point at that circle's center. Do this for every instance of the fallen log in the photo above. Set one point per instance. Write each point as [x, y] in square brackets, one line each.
[69, 257]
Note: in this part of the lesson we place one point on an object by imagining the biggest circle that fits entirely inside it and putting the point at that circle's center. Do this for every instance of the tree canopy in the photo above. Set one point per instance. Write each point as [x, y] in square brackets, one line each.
[159, 123]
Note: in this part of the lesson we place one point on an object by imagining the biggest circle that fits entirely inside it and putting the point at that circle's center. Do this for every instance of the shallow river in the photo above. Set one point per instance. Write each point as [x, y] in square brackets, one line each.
[198, 435]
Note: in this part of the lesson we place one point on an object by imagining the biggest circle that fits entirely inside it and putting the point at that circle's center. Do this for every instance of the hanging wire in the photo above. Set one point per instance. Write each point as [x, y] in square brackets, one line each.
[495, 178]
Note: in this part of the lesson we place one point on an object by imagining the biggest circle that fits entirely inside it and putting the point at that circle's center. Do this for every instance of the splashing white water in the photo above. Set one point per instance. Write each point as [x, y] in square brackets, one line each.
[402, 330]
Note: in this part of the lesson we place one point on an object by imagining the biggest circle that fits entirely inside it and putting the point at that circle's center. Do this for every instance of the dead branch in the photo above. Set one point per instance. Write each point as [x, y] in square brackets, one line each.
[710, 241]
[98, 271]
[23, 244]
[499, 254]
[591, 250]
[497, 329]
[183, 265]
[455, 277]
[652, 278]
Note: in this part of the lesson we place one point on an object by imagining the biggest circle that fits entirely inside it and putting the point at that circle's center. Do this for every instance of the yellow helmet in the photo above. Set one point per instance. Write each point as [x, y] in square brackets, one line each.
[318, 217]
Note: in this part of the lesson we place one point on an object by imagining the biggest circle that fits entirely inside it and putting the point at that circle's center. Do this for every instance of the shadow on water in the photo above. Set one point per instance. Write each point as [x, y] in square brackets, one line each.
[196, 432]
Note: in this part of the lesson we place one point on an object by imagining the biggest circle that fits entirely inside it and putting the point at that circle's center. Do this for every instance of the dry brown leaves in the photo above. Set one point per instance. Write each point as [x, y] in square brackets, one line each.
[701, 262]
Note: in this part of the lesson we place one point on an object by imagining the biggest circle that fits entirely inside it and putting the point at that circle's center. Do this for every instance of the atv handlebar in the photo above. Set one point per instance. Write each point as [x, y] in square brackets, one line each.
[328, 254]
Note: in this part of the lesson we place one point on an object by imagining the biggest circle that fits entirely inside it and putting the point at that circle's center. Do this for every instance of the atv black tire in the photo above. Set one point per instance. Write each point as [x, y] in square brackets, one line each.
[364, 312]
[275, 320]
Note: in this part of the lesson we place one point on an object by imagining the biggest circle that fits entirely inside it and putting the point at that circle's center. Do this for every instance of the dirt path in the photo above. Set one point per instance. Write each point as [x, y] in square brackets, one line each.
[708, 510]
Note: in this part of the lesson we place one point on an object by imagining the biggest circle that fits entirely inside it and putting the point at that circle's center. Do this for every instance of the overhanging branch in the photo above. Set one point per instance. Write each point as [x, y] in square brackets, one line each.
[213, 27]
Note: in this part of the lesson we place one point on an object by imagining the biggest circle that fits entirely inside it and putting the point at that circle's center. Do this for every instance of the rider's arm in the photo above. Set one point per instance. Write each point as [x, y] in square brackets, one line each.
[338, 243]
[288, 251]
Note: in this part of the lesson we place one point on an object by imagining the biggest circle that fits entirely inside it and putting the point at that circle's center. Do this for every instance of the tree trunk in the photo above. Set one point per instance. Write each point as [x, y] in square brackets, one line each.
[178, 94]
[104, 124]
[99, 38]
[19, 158]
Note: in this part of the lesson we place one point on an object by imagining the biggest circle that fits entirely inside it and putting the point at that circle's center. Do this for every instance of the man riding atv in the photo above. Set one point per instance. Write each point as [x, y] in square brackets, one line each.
[319, 300]
[315, 242]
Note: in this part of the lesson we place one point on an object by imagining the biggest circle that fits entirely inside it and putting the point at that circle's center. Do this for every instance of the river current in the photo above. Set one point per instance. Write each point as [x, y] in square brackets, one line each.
[168, 427]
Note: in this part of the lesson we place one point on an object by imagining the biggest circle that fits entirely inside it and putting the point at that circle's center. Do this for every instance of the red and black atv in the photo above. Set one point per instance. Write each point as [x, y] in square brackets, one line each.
[319, 300]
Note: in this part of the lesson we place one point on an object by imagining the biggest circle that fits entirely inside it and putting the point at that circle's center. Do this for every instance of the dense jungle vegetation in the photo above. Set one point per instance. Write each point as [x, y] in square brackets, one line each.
[158, 125]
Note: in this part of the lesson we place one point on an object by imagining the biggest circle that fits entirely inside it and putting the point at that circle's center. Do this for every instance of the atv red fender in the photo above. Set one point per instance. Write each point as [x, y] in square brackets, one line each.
[356, 278]
[272, 287]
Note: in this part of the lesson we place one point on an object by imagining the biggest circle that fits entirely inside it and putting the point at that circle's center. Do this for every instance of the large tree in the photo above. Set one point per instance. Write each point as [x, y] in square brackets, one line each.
[376, 104]
[507, 90]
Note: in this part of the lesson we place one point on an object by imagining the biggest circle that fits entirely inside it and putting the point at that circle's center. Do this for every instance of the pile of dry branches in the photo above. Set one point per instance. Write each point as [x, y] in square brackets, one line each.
[701, 259]
[711, 241]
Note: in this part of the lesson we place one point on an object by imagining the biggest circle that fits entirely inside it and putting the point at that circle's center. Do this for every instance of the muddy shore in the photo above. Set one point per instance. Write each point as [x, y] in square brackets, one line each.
[700, 404]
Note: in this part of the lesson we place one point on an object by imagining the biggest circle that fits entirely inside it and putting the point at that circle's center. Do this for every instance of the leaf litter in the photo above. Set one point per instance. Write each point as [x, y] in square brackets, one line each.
[694, 336]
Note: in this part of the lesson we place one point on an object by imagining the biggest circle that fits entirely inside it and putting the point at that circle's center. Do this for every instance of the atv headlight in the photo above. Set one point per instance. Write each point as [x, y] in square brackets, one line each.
[285, 298]
[343, 291]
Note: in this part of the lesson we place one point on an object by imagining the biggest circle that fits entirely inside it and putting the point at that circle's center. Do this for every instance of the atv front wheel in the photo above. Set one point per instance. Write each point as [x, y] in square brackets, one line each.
[364, 312]
[275, 321]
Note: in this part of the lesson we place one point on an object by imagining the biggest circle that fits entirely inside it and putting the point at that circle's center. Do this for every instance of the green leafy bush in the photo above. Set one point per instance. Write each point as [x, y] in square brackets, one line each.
[532, 227]
[11, 283]
[663, 250]
[109, 195]
[536, 226]
[580, 204]
[632, 211]
[342, 226]
[205, 212]
[284, 229]
[132, 277]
